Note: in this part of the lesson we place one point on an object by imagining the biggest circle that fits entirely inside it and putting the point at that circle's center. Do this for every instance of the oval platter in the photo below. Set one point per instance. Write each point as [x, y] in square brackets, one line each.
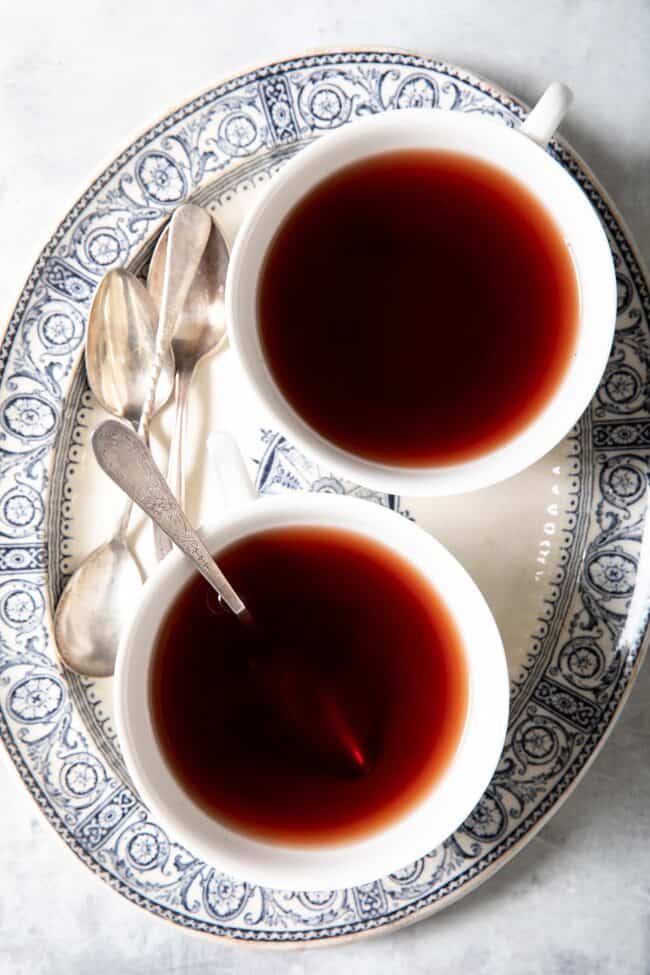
[559, 551]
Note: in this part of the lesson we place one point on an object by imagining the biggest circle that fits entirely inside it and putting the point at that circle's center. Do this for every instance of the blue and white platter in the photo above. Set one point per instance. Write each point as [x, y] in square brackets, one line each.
[559, 551]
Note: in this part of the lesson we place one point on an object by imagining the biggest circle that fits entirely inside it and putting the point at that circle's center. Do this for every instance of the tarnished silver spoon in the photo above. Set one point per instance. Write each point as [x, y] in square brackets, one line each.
[119, 351]
[200, 331]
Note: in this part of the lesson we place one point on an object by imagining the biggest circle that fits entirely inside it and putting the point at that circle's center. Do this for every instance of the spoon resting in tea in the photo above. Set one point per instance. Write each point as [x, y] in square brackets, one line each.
[311, 711]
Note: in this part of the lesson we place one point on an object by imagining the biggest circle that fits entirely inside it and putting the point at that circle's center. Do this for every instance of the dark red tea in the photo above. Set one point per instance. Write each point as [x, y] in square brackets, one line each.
[418, 308]
[368, 626]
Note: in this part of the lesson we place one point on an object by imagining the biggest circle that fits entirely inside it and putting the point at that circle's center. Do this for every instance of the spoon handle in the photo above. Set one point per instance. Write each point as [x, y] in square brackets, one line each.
[189, 230]
[175, 467]
[126, 460]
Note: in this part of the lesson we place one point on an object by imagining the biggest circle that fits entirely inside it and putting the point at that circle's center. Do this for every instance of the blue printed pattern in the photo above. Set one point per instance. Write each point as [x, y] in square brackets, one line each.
[584, 651]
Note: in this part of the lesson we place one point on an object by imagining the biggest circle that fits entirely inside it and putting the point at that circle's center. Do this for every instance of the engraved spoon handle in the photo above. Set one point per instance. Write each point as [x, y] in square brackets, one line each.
[126, 460]
[189, 230]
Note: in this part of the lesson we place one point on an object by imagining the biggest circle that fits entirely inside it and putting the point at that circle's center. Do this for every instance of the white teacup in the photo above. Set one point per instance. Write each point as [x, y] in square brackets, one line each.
[425, 824]
[518, 152]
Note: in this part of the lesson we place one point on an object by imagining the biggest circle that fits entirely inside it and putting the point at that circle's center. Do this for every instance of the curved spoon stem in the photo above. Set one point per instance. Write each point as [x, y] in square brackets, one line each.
[175, 468]
[123, 524]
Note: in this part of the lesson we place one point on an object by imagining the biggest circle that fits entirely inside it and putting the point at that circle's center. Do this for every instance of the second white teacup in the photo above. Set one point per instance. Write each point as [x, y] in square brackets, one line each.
[520, 154]
[424, 824]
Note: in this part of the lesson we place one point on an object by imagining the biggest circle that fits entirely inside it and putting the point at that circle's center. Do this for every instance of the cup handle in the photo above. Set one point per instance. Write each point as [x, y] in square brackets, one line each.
[231, 482]
[543, 120]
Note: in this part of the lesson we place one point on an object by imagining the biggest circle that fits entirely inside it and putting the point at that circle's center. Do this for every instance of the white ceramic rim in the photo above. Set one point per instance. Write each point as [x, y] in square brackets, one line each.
[431, 820]
[524, 160]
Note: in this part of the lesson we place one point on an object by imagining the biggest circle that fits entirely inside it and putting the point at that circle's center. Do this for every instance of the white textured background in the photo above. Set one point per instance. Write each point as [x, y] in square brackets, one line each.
[77, 79]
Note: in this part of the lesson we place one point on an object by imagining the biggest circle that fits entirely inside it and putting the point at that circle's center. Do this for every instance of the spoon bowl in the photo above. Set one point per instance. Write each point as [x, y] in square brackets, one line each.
[201, 326]
[120, 346]
[91, 611]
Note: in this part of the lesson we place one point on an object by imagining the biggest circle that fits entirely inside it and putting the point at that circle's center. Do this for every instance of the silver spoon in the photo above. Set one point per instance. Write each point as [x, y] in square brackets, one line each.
[189, 230]
[127, 460]
[119, 352]
[200, 331]
[311, 711]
